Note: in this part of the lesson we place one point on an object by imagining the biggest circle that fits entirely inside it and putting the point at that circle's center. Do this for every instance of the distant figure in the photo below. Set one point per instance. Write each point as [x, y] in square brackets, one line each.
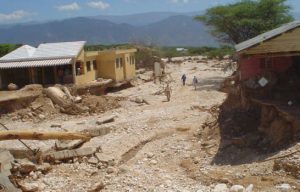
[195, 82]
[168, 91]
[183, 78]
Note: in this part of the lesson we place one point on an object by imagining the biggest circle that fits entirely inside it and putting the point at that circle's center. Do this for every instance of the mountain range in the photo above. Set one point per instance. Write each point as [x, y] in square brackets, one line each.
[158, 28]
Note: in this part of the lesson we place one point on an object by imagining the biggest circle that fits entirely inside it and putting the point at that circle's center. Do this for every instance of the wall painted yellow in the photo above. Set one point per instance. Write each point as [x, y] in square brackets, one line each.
[87, 76]
[129, 66]
[106, 65]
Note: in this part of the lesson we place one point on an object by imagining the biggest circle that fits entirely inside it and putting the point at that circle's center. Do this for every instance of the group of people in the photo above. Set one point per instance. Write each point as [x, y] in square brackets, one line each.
[168, 89]
[195, 80]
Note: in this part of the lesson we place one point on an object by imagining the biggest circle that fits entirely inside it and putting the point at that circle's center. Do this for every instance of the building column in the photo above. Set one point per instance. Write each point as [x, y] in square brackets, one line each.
[43, 76]
[55, 75]
[74, 71]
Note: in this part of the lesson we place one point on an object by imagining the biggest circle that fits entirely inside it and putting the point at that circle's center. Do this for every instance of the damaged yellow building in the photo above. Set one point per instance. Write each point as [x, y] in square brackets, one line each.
[65, 63]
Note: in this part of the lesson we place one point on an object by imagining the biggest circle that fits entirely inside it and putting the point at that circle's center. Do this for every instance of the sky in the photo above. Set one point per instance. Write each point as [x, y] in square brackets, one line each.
[18, 11]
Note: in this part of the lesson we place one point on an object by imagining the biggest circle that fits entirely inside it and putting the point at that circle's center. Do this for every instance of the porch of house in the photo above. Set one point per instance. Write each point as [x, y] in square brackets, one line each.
[36, 75]
[273, 81]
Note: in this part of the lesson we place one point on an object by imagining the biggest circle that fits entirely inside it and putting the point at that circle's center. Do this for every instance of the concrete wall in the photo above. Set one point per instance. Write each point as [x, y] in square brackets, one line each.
[251, 66]
[106, 65]
[87, 76]
[106, 61]
[129, 66]
[119, 72]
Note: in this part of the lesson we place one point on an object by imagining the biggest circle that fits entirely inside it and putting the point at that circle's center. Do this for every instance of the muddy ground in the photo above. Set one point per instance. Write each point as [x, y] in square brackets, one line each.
[160, 146]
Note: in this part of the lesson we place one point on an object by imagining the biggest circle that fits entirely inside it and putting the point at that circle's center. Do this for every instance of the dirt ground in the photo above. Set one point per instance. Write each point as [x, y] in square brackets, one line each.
[160, 146]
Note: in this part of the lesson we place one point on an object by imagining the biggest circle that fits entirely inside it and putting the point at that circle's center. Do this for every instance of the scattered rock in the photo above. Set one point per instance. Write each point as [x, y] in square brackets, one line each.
[139, 100]
[93, 160]
[250, 188]
[237, 188]
[103, 158]
[41, 116]
[284, 187]
[97, 187]
[62, 145]
[29, 187]
[221, 188]
[26, 166]
[150, 155]
[12, 87]
[107, 119]
[153, 162]
[44, 168]
[110, 170]
[56, 125]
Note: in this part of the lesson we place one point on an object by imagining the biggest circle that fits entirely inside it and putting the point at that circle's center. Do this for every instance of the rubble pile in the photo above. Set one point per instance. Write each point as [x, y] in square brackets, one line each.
[46, 106]
[290, 164]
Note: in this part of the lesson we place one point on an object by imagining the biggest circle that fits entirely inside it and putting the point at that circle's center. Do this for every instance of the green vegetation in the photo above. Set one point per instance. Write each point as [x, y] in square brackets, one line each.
[6, 48]
[146, 56]
[211, 52]
[105, 47]
[245, 19]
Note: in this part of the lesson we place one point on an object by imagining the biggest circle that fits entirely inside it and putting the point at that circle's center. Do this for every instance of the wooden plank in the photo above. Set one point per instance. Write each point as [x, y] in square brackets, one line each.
[287, 42]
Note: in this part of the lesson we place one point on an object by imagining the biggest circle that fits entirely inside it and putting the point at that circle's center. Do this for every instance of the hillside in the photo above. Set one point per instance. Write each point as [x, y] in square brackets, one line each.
[140, 19]
[176, 30]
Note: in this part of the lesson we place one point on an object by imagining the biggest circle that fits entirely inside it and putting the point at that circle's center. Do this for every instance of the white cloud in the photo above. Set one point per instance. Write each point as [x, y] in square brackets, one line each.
[179, 1]
[69, 7]
[99, 5]
[14, 16]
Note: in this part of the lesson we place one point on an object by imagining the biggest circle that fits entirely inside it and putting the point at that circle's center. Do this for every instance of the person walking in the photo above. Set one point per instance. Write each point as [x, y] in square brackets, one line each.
[183, 78]
[195, 82]
[168, 91]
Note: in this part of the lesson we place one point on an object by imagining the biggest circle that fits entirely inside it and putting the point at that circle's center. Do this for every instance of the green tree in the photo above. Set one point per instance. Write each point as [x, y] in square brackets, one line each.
[6, 48]
[245, 19]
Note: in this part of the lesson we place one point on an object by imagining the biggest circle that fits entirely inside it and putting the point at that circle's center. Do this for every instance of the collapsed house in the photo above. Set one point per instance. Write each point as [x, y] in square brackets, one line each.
[269, 76]
[64, 63]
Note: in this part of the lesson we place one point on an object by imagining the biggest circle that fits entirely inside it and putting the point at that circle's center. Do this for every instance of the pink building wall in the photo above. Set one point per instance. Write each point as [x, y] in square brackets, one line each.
[251, 66]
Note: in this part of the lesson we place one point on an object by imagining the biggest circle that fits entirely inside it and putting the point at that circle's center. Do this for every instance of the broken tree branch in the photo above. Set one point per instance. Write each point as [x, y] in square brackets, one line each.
[37, 135]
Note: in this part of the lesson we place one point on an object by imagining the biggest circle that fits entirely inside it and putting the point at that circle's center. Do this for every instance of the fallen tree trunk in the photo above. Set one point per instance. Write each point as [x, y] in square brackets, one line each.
[58, 96]
[37, 135]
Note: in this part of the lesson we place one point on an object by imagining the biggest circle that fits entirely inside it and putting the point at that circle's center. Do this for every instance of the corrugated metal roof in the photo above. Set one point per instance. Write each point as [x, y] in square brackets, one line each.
[35, 63]
[268, 35]
[45, 51]
[23, 52]
[63, 49]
